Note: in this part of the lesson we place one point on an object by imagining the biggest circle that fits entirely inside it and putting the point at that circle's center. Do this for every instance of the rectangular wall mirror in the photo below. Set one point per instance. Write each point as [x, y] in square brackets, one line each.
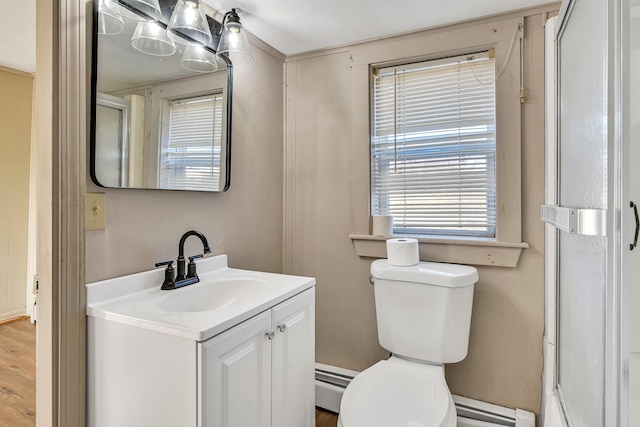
[161, 110]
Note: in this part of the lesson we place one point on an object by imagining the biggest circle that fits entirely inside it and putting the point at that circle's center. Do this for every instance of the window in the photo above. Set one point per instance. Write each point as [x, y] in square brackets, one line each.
[433, 148]
[190, 155]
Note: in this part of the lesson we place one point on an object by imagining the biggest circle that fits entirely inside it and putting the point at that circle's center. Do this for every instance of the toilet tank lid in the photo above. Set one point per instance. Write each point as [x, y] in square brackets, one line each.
[433, 273]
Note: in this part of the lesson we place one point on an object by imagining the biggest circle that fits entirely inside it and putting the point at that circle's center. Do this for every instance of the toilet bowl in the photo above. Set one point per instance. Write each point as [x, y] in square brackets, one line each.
[423, 314]
[398, 393]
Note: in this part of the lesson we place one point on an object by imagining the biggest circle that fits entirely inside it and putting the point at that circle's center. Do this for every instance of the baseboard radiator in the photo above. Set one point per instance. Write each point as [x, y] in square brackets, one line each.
[331, 382]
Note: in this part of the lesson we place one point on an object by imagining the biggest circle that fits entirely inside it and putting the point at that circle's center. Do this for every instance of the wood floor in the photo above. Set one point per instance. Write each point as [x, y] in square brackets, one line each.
[326, 419]
[18, 378]
[18, 374]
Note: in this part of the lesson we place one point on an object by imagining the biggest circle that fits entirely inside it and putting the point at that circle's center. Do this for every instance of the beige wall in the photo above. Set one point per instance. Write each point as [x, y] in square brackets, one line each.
[16, 88]
[144, 226]
[327, 175]
[326, 199]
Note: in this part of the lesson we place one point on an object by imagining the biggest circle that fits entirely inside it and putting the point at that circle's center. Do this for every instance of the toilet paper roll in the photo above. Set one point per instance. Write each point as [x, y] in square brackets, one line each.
[403, 252]
[382, 225]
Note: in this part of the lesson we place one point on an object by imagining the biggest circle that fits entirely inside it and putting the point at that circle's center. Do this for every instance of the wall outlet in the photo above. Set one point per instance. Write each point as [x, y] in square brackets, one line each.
[95, 211]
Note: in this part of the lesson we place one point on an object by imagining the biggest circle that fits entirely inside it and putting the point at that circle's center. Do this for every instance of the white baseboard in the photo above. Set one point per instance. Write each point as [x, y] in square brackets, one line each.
[332, 381]
[328, 396]
[10, 315]
[330, 384]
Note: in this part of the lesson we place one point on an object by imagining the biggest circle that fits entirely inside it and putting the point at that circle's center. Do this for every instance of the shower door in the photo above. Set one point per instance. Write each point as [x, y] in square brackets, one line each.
[587, 215]
[632, 276]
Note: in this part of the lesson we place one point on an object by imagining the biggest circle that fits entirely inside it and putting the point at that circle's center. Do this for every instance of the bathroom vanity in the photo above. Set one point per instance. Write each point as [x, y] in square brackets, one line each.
[235, 350]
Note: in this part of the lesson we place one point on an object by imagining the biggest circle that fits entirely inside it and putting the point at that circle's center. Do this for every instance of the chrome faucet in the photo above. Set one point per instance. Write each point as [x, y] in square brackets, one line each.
[191, 276]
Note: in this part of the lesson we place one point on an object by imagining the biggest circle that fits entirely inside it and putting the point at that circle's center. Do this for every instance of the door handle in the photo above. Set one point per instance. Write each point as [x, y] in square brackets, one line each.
[635, 237]
[586, 222]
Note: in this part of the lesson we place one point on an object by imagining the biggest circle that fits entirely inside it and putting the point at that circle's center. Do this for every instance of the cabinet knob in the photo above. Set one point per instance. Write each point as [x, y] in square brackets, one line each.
[282, 327]
[270, 335]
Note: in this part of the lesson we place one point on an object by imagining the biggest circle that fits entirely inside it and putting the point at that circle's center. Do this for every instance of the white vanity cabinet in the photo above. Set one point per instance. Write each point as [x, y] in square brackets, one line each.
[260, 373]
[236, 349]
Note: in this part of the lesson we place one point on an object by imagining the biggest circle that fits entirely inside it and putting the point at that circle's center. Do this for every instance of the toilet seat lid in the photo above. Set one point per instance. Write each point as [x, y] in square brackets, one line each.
[392, 394]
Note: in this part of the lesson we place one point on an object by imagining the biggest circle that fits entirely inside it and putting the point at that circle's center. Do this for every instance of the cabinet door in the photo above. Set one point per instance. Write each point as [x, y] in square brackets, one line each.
[235, 376]
[293, 362]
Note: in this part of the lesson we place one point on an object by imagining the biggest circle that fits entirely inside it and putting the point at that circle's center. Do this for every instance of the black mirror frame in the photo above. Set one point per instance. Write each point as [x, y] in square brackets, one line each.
[94, 98]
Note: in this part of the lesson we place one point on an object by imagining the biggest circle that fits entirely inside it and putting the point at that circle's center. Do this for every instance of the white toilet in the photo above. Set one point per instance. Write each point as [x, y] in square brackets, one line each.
[424, 314]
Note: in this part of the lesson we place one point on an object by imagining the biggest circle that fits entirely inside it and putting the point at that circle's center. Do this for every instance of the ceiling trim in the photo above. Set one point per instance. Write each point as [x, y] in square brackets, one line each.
[16, 72]
[548, 9]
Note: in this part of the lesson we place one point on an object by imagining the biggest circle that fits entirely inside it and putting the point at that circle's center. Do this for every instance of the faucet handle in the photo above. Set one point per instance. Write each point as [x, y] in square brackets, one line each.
[169, 278]
[191, 258]
[191, 268]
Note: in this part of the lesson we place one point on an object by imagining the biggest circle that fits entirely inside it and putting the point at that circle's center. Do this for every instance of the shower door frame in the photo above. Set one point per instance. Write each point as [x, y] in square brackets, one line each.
[615, 412]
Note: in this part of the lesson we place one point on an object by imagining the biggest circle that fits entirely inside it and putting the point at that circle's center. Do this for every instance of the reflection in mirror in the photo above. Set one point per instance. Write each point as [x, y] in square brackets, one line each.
[161, 108]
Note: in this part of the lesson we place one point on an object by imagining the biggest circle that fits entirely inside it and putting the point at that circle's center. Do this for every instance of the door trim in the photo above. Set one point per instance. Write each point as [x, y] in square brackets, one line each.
[61, 140]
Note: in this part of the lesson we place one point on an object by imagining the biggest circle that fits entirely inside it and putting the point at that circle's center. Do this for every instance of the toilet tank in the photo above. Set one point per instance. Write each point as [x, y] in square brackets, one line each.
[424, 311]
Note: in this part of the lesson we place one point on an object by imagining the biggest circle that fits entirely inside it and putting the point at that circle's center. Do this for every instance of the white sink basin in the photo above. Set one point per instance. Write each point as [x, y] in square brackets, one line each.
[223, 298]
[215, 295]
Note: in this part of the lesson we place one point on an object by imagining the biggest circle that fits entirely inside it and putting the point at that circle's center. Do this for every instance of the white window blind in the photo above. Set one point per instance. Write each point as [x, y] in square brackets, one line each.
[190, 157]
[433, 146]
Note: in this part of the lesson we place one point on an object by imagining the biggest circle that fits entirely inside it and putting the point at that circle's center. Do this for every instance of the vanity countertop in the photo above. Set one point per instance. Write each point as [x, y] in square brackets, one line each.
[186, 312]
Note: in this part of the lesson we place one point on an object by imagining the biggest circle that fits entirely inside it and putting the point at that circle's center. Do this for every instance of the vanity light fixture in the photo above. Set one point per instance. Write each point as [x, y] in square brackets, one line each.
[188, 24]
[109, 21]
[150, 38]
[139, 10]
[233, 40]
[197, 58]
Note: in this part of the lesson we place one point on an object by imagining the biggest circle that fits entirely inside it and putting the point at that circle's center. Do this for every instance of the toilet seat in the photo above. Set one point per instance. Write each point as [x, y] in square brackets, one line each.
[398, 393]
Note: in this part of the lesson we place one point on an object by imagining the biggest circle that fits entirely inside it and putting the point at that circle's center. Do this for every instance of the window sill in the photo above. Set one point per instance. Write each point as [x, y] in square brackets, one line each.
[452, 250]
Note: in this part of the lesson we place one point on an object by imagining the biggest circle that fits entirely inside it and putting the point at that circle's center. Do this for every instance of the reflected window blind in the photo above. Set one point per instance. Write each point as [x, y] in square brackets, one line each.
[190, 159]
[433, 146]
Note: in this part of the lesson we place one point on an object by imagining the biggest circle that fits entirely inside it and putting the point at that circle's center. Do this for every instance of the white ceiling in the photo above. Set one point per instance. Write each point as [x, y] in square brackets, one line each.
[295, 26]
[291, 26]
[18, 34]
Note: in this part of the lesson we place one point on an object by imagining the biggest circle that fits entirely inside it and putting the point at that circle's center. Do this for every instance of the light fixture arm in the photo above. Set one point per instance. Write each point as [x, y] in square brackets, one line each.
[231, 16]
[233, 43]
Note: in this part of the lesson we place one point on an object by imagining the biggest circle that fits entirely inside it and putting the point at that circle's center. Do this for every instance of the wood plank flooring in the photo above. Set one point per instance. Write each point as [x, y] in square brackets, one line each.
[18, 374]
[326, 419]
[18, 378]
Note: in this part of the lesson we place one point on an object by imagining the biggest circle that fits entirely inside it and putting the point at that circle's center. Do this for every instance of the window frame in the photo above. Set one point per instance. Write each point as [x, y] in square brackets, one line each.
[505, 249]
[165, 133]
[156, 98]
[448, 61]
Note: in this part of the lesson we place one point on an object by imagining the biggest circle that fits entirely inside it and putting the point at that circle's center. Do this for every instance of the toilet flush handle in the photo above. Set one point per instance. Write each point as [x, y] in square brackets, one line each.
[371, 280]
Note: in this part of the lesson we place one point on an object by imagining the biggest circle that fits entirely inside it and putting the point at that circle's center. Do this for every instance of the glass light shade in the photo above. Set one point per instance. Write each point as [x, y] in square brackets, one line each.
[235, 45]
[109, 22]
[188, 24]
[151, 38]
[149, 9]
[197, 58]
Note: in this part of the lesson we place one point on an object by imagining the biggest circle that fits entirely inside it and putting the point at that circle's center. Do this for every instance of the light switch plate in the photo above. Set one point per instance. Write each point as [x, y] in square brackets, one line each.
[95, 211]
